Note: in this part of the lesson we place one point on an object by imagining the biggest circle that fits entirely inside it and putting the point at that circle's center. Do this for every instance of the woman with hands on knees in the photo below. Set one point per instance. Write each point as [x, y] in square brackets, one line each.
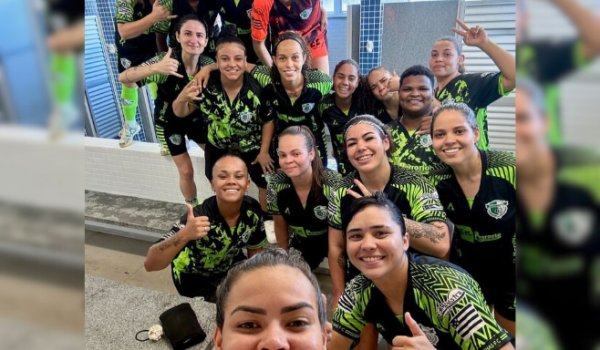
[172, 71]
[477, 90]
[208, 240]
[298, 196]
[414, 301]
[271, 301]
[232, 105]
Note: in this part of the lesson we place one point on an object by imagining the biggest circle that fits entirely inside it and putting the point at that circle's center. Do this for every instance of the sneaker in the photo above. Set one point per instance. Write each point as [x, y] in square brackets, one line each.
[127, 135]
[164, 151]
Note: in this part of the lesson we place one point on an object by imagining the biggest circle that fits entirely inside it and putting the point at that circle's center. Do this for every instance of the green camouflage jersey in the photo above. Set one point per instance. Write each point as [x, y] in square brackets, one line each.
[215, 253]
[336, 119]
[233, 122]
[443, 299]
[478, 91]
[416, 198]
[128, 11]
[485, 228]
[302, 111]
[308, 223]
[413, 151]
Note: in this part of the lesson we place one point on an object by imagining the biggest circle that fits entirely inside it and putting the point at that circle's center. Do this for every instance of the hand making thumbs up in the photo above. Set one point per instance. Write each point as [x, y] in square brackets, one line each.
[417, 342]
[197, 227]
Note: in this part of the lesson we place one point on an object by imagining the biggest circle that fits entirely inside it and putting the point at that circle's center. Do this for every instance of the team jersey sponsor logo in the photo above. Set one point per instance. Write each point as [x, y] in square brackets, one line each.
[497, 208]
[430, 334]
[246, 116]
[125, 63]
[425, 140]
[467, 321]
[275, 103]
[574, 226]
[454, 296]
[306, 13]
[448, 100]
[320, 212]
[433, 207]
[177, 88]
[287, 211]
[429, 196]
[450, 207]
[175, 139]
[246, 236]
[307, 107]
[487, 238]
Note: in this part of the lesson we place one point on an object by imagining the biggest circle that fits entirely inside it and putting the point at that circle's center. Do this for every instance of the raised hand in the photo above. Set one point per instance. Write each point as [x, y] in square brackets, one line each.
[190, 92]
[417, 342]
[160, 12]
[475, 36]
[362, 188]
[196, 227]
[393, 84]
[168, 65]
[425, 126]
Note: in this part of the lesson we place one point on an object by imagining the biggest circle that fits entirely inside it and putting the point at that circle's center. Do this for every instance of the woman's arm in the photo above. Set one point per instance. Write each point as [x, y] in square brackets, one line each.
[587, 23]
[134, 29]
[182, 106]
[506, 62]
[337, 264]
[263, 54]
[432, 239]
[281, 232]
[263, 157]
[166, 66]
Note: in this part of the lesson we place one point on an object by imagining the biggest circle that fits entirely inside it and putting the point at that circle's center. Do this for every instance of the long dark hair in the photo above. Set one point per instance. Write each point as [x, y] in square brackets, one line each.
[318, 171]
[378, 199]
[266, 258]
[290, 35]
[362, 96]
[190, 17]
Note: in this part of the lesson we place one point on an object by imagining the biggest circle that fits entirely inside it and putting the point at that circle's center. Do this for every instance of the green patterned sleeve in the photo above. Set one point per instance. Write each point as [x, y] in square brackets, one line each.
[125, 11]
[325, 83]
[262, 74]
[205, 61]
[424, 201]
[348, 318]
[272, 205]
[465, 314]
[334, 210]
[258, 238]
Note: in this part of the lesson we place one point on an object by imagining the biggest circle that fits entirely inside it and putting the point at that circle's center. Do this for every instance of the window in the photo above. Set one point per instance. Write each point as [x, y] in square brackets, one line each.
[328, 5]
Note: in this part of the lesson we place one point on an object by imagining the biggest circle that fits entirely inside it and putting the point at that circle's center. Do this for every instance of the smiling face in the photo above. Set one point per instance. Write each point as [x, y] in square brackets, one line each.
[230, 179]
[445, 60]
[366, 148]
[271, 308]
[453, 138]
[231, 61]
[378, 81]
[416, 95]
[192, 37]
[375, 243]
[295, 160]
[289, 60]
[345, 81]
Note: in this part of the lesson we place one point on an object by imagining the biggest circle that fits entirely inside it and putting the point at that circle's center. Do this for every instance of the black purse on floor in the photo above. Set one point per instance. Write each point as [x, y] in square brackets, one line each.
[181, 327]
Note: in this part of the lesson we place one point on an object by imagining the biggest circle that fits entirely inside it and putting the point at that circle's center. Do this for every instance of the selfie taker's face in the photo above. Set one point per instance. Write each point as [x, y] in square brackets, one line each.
[271, 308]
[374, 243]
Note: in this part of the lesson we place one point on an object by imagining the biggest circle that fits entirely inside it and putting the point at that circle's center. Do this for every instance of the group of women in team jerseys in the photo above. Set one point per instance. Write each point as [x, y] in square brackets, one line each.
[463, 210]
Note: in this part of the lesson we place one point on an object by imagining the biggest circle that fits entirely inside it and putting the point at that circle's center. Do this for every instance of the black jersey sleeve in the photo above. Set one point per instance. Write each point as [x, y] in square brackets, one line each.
[276, 184]
[258, 237]
[424, 201]
[485, 88]
[548, 61]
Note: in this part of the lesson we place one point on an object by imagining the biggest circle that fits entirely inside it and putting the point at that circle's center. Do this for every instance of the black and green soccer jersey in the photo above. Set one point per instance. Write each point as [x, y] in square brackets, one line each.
[441, 297]
[169, 86]
[130, 11]
[413, 151]
[236, 13]
[478, 91]
[336, 119]
[486, 244]
[215, 253]
[232, 122]
[546, 62]
[302, 111]
[416, 197]
[308, 224]
[560, 253]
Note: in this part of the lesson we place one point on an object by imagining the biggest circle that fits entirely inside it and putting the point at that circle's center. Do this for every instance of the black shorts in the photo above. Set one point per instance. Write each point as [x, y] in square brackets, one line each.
[212, 154]
[172, 133]
[194, 285]
[313, 249]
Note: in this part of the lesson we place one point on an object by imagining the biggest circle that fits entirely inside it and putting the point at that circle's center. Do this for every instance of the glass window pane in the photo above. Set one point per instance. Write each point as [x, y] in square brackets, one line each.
[345, 4]
[328, 5]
